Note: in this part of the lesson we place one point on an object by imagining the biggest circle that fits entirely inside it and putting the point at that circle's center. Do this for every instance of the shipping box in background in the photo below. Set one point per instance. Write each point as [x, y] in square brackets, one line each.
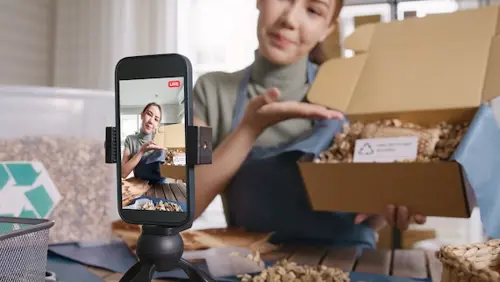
[424, 70]
[172, 137]
[331, 47]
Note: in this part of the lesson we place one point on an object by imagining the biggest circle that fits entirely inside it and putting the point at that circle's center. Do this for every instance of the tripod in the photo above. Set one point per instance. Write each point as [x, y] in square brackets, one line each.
[160, 249]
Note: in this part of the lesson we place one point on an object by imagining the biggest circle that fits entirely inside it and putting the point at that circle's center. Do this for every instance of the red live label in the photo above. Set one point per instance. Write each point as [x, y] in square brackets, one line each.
[174, 83]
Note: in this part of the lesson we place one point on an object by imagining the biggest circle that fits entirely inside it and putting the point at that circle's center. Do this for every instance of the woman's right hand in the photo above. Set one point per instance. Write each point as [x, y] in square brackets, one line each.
[265, 110]
[150, 146]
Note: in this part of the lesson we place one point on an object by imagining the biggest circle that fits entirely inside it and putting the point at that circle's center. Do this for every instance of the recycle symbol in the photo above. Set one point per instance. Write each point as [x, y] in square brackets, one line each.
[26, 190]
[366, 150]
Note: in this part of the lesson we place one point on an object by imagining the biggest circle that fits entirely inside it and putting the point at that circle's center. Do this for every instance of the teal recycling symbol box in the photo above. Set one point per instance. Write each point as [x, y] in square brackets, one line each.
[27, 190]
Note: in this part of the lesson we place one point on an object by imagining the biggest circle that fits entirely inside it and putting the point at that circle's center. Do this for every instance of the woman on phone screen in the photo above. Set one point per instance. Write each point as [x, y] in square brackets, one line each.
[261, 126]
[138, 154]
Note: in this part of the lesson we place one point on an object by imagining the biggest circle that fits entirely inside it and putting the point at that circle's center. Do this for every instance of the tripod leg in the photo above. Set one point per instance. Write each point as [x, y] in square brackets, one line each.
[139, 273]
[194, 273]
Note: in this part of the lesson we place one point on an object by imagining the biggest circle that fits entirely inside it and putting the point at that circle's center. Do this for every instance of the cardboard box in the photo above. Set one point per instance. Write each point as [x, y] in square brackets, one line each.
[331, 47]
[172, 136]
[426, 70]
[177, 172]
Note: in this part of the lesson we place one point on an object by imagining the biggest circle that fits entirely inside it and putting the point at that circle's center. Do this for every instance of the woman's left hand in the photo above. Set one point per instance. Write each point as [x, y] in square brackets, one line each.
[403, 218]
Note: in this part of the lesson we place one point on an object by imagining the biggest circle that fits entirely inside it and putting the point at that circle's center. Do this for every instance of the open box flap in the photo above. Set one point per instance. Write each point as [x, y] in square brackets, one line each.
[331, 47]
[359, 40]
[492, 80]
[344, 74]
[437, 62]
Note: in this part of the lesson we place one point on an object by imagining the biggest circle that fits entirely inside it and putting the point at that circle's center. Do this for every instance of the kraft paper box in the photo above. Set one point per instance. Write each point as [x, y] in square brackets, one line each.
[442, 67]
[172, 136]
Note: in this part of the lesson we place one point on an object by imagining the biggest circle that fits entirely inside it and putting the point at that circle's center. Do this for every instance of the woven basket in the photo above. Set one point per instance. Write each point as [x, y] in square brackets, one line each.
[471, 263]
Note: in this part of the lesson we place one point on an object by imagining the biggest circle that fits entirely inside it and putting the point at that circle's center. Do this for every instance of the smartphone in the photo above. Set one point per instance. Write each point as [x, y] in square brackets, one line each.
[154, 111]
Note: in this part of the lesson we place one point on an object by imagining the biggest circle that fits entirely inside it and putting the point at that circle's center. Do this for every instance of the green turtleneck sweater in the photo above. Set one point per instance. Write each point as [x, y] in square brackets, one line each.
[214, 98]
[134, 142]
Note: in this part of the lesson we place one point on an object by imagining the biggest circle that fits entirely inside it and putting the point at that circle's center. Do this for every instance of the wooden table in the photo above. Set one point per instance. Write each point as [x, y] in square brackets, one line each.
[416, 264]
[171, 191]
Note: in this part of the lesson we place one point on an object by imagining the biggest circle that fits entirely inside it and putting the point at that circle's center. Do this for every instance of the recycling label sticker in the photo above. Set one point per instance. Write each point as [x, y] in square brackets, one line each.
[385, 150]
[26, 190]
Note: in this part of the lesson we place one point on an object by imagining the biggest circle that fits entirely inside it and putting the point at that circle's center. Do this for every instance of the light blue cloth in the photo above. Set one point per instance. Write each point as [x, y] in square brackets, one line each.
[479, 154]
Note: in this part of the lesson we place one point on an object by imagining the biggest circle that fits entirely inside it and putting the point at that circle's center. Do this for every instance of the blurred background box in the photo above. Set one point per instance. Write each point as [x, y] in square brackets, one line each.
[171, 136]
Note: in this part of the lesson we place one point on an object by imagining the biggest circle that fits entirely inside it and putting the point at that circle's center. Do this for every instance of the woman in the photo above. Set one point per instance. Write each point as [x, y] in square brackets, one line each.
[261, 126]
[137, 155]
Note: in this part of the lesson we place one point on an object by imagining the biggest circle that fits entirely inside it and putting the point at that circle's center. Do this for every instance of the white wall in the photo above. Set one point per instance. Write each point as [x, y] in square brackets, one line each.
[143, 91]
[26, 36]
[92, 35]
[76, 44]
[170, 112]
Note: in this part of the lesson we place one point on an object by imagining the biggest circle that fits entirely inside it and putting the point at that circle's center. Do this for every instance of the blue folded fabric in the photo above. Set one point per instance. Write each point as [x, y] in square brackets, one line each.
[115, 256]
[148, 168]
[70, 271]
[155, 157]
[479, 154]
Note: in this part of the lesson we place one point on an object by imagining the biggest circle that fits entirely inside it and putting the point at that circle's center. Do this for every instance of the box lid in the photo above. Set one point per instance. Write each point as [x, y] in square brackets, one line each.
[445, 61]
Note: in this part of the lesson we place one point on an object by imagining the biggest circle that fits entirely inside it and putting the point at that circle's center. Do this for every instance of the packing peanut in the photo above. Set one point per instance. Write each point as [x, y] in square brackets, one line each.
[132, 188]
[436, 143]
[161, 206]
[287, 271]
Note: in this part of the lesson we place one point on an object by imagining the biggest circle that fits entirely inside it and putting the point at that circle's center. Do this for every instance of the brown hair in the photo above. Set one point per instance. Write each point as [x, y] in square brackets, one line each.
[339, 4]
[316, 55]
[152, 104]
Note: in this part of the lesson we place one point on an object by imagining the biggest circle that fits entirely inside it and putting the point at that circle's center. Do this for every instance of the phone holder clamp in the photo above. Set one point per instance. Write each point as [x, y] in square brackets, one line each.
[198, 145]
[111, 145]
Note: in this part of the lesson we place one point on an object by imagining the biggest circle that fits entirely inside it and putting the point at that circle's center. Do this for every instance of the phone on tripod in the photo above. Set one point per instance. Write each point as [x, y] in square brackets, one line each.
[153, 116]
[155, 147]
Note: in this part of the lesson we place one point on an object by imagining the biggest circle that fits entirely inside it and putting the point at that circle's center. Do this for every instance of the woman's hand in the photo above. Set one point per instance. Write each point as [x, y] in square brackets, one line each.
[403, 218]
[265, 110]
[150, 146]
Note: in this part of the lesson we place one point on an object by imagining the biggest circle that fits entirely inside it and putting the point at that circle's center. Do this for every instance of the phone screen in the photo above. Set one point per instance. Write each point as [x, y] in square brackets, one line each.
[152, 133]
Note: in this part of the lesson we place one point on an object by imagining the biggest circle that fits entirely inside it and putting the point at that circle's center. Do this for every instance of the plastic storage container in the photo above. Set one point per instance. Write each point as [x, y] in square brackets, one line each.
[60, 131]
[23, 249]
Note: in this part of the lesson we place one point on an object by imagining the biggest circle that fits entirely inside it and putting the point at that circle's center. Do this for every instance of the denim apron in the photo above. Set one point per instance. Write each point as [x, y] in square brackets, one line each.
[148, 167]
[267, 194]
